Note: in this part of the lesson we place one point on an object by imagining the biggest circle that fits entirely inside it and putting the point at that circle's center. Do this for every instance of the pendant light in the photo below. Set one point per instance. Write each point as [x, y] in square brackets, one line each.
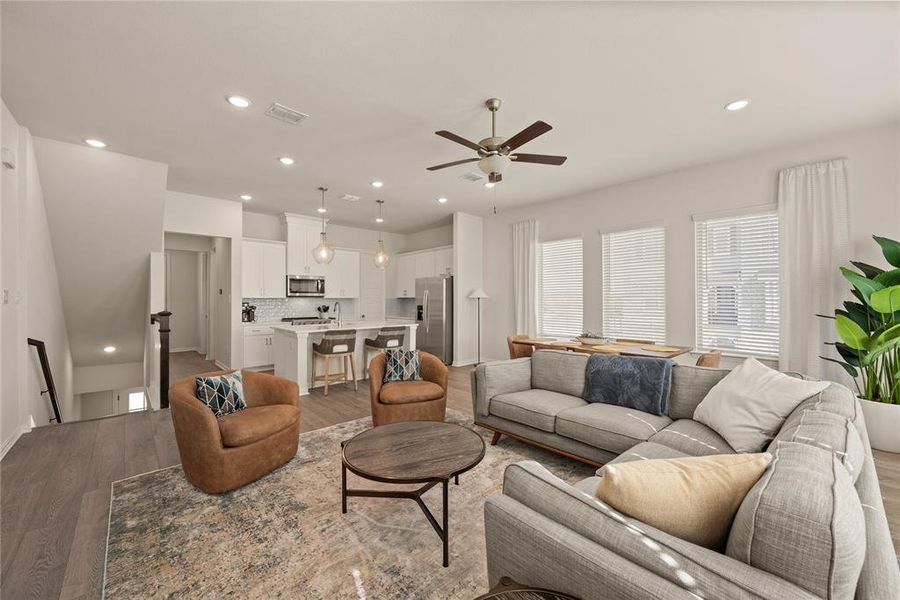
[323, 253]
[381, 259]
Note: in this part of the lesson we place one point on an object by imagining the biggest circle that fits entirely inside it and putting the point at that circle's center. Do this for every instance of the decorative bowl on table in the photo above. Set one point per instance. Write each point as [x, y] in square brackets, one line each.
[592, 339]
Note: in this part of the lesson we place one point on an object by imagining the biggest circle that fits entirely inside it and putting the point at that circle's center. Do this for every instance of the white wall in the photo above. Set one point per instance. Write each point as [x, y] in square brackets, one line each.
[271, 227]
[105, 212]
[182, 275]
[31, 305]
[429, 238]
[222, 219]
[672, 198]
[468, 262]
[107, 377]
[97, 404]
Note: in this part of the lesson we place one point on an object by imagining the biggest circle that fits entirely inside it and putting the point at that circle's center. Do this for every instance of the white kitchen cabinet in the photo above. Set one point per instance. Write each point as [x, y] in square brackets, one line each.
[342, 275]
[302, 235]
[259, 346]
[443, 261]
[405, 276]
[262, 269]
[424, 264]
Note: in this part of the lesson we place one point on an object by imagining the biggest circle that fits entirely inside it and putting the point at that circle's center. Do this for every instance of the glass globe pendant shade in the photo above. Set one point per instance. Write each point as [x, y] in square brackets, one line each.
[381, 259]
[323, 253]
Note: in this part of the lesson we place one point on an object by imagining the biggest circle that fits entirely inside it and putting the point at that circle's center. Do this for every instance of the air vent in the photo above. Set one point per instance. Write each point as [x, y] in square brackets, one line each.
[472, 176]
[283, 113]
[350, 198]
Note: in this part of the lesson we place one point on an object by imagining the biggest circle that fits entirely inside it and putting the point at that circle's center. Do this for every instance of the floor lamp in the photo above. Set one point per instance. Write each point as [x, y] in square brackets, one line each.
[478, 294]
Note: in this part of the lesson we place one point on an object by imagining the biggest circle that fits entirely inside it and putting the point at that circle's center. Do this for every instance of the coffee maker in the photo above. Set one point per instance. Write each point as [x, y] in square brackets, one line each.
[248, 312]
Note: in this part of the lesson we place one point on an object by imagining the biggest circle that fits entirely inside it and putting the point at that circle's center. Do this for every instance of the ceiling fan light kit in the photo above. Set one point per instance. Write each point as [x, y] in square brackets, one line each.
[494, 152]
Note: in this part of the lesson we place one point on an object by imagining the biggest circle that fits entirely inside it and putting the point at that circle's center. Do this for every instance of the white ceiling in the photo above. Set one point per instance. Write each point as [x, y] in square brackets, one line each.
[630, 89]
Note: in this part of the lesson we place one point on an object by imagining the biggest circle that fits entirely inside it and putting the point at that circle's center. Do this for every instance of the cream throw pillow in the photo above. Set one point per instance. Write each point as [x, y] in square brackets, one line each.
[749, 405]
[693, 498]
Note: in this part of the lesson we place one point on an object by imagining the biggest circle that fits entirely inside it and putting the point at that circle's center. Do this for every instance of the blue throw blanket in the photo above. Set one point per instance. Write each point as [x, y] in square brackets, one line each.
[630, 381]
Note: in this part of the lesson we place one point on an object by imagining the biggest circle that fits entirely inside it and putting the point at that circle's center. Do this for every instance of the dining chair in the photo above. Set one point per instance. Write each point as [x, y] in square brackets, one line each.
[519, 350]
[710, 359]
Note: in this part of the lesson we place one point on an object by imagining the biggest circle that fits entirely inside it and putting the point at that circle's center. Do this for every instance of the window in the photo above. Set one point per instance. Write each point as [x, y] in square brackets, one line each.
[560, 285]
[737, 284]
[634, 284]
[135, 401]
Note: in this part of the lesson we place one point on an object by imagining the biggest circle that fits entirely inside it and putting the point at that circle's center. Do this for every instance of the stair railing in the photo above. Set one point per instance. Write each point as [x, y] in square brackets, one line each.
[162, 317]
[48, 378]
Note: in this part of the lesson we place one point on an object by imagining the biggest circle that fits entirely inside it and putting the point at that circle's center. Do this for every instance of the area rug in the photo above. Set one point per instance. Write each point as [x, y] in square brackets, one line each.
[284, 536]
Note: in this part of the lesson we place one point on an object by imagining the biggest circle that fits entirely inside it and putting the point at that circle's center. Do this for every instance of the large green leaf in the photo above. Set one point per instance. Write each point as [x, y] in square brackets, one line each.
[870, 358]
[888, 335]
[864, 286]
[859, 313]
[890, 248]
[851, 370]
[848, 354]
[867, 269]
[887, 278]
[852, 334]
[886, 301]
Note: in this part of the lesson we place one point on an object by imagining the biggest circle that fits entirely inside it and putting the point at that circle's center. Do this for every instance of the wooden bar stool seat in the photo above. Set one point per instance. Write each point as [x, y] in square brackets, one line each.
[387, 338]
[340, 344]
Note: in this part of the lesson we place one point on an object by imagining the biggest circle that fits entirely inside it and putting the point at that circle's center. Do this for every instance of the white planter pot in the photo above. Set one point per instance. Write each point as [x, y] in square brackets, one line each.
[883, 425]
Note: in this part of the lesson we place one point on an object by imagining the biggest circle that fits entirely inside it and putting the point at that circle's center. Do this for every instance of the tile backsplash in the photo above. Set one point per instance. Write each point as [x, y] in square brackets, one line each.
[274, 309]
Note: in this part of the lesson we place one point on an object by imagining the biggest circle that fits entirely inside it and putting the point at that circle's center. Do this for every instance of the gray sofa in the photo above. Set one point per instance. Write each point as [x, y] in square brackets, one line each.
[813, 526]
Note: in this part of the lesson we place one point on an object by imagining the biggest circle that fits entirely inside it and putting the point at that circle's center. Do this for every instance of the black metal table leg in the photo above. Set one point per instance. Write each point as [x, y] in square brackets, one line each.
[446, 531]
[343, 488]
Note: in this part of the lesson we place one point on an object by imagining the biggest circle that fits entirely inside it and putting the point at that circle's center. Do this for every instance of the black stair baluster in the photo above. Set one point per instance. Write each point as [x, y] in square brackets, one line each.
[48, 377]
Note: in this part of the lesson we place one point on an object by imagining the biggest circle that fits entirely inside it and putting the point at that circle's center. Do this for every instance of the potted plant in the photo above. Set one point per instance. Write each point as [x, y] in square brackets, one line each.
[869, 330]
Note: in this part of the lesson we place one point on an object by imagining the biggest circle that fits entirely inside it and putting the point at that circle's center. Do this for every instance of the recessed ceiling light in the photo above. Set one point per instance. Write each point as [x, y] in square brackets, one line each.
[489, 184]
[286, 160]
[238, 101]
[95, 143]
[109, 349]
[737, 104]
[377, 184]
[442, 200]
[246, 197]
[379, 220]
[322, 209]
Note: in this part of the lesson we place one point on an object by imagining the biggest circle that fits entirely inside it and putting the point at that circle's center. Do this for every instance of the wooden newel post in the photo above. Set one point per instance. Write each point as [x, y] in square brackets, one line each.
[162, 318]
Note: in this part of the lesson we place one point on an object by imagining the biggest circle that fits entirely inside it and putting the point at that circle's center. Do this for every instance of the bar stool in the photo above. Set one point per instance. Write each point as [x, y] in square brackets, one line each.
[388, 337]
[340, 343]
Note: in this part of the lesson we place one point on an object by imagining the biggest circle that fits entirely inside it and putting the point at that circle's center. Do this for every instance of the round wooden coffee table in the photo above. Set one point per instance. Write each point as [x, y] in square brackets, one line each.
[428, 452]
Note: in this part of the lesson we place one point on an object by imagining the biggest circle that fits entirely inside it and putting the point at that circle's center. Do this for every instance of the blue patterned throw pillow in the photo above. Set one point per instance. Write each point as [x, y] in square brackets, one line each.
[223, 394]
[402, 365]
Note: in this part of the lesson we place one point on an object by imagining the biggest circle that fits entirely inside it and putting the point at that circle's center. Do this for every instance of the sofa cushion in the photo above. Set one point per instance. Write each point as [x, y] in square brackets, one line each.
[689, 387]
[693, 438]
[803, 521]
[407, 392]
[829, 431]
[750, 404]
[694, 498]
[559, 371]
[612, 428]
[644, 451]
[536, 408]
[256, 423]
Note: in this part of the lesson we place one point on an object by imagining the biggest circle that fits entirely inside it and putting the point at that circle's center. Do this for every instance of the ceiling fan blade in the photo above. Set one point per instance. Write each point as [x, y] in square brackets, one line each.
[459, 140]
[541, 159]
[495, 177]
[526, 135]
[452, 164]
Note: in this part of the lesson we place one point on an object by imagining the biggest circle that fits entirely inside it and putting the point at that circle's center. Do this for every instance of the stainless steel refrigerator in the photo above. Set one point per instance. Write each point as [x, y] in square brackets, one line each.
[434, 316]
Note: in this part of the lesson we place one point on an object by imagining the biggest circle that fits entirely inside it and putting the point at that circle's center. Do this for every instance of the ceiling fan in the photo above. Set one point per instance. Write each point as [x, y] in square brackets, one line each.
[494, 152]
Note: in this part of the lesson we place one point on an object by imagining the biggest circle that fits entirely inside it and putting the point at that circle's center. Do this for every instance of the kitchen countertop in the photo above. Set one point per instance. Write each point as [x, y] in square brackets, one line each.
[358, 325]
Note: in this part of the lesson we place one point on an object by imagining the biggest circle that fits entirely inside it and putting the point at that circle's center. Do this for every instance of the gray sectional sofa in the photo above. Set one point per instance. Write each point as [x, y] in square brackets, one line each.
[812, 527]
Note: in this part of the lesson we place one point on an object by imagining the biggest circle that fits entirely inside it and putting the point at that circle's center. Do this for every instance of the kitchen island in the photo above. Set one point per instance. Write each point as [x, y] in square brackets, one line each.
[293, 347]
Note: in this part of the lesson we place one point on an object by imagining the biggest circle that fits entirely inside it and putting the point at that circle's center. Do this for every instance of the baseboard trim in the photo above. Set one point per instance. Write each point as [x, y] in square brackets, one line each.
[191, 349]
[222, 365]
[7, 446]
[463, 363]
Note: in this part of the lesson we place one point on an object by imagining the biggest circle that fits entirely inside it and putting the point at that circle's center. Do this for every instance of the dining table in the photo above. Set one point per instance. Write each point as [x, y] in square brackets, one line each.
[618, 346]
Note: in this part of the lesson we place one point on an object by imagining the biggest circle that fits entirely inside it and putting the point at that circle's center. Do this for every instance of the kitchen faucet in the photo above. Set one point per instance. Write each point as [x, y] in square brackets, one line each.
[337, 309]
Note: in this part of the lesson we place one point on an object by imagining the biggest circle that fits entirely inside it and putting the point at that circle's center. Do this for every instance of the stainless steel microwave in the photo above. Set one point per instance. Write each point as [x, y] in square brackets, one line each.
[312, 286]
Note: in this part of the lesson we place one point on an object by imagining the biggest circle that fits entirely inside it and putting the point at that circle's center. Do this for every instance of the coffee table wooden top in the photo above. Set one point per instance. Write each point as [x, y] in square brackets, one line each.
[413, 452]
[625, 348]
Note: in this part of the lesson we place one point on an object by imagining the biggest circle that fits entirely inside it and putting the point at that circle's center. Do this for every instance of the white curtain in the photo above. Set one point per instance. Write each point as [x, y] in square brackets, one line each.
[814, 241]
[525, 257]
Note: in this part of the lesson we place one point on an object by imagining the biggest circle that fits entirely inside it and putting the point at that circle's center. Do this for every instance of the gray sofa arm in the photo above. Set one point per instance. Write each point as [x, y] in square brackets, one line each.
[649, 558]
[498, 377]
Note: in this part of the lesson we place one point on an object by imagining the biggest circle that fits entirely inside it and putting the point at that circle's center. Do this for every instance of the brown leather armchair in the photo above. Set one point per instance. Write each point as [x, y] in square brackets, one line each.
[424, 400]
[219, 455]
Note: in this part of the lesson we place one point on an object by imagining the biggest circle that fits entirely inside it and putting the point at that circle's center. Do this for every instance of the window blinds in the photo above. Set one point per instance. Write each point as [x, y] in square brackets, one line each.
[561, 285]
[634, 284]
[737, 284]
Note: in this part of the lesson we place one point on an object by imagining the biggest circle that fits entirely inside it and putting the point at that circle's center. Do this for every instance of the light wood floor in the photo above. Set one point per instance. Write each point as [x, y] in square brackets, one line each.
[55, 487]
